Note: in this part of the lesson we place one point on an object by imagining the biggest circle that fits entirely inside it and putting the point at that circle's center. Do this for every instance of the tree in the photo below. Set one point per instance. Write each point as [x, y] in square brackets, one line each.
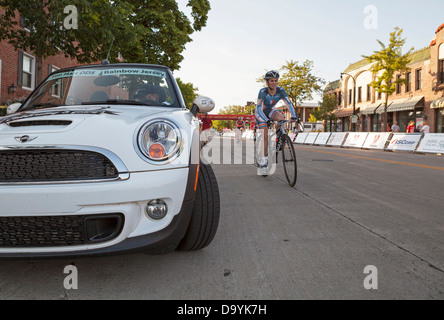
[48, 33]
[144, 31]
[388, 61]
[299, 81]
[189, 92]
[240, 110]
[163, 30]
[326, 107]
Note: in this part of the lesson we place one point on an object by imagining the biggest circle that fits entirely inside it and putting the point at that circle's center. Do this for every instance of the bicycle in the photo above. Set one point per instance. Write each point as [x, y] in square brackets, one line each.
[282, 143]
[238, 135]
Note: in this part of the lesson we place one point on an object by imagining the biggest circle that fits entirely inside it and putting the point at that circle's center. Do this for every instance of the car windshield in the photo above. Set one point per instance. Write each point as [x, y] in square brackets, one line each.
[146, 86]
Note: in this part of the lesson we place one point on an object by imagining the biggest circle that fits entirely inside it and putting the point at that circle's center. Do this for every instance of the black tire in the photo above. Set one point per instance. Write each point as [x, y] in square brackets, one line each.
[289, 161]
[206, 212]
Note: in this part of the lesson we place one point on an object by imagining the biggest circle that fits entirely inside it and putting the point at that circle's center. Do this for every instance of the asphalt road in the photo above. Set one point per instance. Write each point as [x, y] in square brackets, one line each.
[350, 209]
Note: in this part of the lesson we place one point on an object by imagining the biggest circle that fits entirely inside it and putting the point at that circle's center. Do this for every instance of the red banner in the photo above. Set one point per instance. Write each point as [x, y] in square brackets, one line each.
[246, 117]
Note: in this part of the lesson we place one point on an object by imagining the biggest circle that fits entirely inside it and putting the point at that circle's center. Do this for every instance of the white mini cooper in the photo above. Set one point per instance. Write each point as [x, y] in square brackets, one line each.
[102, 159]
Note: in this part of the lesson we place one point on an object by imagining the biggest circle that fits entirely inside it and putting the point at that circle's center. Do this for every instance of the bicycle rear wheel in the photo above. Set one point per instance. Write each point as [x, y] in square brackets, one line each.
[289, 161]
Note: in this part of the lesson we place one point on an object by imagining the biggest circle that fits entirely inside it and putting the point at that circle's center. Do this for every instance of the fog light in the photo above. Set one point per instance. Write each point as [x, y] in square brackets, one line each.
[156, 209]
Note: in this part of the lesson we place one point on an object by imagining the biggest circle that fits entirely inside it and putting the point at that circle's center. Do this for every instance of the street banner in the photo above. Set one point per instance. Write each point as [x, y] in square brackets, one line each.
[336, 139]
[432, 143]
[376, 140]
[322, 138]
[355, 139]
[404, 141]
[311, 138]
[300, 138]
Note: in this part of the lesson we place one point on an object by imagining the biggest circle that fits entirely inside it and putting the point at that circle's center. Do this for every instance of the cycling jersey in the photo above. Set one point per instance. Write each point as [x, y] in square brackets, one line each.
[266, 104]
[240, 124]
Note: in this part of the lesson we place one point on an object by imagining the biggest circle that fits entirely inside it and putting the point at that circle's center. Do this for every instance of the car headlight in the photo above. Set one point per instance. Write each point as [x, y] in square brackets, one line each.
[160, 140]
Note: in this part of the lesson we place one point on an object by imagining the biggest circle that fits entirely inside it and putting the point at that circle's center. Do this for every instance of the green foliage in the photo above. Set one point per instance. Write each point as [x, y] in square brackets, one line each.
[144, 31]
[189, 92]
[386, 62]
[299, 81]
[326, 107]
[240, 110]
[163, 30]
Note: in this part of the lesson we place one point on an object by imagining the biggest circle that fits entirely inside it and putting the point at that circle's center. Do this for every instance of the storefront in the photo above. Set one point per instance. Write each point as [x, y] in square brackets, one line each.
[438, 104]
[344, 119]
[368, 117]
[401, 110]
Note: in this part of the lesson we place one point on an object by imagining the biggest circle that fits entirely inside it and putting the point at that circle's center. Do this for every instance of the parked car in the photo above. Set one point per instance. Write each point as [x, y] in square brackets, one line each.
[102, 159]
[313, 126]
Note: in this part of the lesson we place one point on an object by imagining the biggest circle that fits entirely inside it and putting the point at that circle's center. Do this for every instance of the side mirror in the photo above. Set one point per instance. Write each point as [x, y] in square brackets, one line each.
[202, 104]
[13, 108]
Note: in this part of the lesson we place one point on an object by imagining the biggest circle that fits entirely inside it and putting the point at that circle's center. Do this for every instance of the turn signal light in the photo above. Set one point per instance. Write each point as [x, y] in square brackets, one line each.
[156, 151]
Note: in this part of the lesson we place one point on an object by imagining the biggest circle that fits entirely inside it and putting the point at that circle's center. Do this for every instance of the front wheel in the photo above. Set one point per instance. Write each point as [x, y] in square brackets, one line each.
[206, 212]
[289, 160]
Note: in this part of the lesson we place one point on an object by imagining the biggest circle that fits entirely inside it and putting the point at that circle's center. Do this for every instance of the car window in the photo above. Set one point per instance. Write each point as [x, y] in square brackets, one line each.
[105, 85]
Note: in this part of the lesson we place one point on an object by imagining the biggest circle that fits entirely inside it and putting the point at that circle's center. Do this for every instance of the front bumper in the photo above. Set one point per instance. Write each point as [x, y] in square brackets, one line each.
[128, 198]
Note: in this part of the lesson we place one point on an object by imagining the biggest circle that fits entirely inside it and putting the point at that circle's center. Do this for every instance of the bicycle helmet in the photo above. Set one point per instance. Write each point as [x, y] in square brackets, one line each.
[240, 118]
[272, 74]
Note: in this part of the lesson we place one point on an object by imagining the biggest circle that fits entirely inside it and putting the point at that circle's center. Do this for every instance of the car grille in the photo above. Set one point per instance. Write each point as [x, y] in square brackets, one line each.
[56, 231]
[54, 165]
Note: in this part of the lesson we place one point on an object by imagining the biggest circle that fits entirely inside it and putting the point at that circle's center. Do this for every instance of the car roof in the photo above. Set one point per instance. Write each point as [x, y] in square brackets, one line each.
[114, 65]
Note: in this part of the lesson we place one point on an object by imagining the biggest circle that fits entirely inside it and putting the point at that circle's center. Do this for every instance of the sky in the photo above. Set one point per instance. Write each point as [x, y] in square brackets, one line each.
[245, 38]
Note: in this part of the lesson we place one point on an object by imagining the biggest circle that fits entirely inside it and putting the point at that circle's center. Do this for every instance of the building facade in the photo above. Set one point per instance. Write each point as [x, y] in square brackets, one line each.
[18, 70]
[421, 99]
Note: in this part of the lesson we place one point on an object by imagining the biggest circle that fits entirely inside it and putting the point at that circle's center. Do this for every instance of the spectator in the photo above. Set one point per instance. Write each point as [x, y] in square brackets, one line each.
[395, 127]
[411, 127]
[207, 123]
[425, 127]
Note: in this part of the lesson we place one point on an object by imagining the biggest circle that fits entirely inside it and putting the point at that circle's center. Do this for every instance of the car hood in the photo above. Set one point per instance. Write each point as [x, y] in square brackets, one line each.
[113, 128]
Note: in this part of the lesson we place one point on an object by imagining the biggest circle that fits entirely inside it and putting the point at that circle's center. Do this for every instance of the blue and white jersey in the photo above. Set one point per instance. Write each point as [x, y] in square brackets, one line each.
[266, 103]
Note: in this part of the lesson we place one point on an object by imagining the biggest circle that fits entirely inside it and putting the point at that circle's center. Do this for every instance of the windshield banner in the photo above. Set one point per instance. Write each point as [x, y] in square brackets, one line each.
[108, 72]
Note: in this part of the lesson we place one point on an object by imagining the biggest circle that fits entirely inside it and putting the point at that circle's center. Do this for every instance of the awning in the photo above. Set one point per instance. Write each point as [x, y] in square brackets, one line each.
[370, 109]
[404, 104]
[437, 103]
[381, 108]
[397, 104]
[345, 112]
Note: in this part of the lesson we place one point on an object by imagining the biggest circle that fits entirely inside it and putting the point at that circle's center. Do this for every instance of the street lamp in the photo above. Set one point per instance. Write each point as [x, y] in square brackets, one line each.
[12, 89]
[354, 98]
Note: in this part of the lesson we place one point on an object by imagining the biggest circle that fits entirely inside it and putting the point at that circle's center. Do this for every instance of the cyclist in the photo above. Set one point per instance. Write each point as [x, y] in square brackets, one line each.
[266, 107]
[240, 124]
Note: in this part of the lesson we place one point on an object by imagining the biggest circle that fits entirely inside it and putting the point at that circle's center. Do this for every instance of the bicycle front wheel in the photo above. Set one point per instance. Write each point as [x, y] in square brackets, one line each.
[289, 161]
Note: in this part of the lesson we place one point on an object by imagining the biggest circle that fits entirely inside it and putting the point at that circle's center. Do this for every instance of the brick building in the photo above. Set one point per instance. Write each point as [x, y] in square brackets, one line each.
[18, 69]
[422, 99]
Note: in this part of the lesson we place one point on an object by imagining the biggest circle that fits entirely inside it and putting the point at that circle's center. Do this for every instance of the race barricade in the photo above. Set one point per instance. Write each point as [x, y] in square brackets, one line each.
[336, 139]
[311, 138]
[432, 143]
[404, 142]
[300, 138]
[355, 139]
[377, 140]
[322, 138]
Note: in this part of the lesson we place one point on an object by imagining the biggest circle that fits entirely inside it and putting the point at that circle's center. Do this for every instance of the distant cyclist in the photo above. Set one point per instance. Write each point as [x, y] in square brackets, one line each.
[266, 107]
[240, 125]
